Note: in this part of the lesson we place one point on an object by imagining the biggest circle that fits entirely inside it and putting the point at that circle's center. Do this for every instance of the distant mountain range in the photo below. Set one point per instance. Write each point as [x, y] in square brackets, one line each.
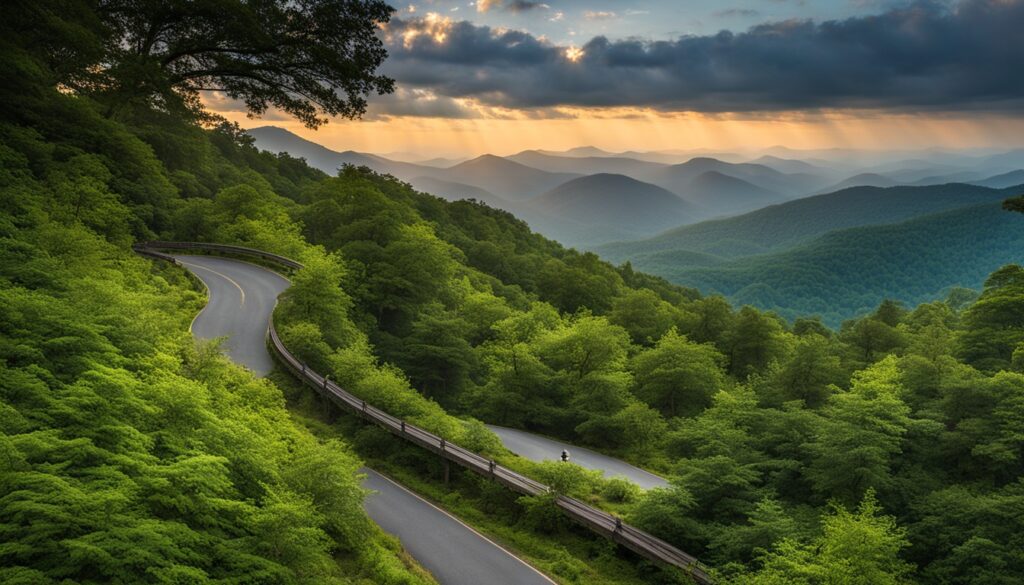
[764, 229]
[585, 165]
[618, 201]
[746, 186]
[780, 226]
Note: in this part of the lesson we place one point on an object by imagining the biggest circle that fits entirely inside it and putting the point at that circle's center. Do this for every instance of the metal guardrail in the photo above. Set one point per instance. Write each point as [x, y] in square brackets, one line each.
[224, 248]
[596, 520]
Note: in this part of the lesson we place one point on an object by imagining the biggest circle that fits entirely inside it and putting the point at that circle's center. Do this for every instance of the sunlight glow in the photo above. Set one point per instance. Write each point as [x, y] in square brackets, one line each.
[432, 25]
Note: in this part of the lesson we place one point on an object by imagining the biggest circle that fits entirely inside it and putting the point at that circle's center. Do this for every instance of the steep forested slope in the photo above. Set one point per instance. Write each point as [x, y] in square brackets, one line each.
[130, 454]
[784, 225]
[848, 272]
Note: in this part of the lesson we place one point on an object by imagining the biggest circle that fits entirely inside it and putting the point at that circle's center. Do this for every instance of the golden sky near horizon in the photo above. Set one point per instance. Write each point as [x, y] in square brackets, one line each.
[643, 130]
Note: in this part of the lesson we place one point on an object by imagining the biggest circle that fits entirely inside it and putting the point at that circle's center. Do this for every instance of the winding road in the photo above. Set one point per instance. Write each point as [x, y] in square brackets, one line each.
[540, 448]
[241, 299]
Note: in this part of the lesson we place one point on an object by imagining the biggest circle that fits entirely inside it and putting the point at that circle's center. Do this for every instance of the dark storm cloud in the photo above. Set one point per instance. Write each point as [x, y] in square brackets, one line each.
[925, 56]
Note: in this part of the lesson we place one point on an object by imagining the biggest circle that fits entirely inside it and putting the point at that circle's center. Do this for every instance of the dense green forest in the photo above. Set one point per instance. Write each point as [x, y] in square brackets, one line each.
[889, 451]
[848, 272]
[782, 226]
[838, 255]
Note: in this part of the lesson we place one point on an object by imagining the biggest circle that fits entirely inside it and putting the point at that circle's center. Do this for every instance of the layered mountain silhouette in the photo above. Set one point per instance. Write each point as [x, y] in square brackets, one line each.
[607, 199]
[505, 178]
[586, 165]
[785, 225]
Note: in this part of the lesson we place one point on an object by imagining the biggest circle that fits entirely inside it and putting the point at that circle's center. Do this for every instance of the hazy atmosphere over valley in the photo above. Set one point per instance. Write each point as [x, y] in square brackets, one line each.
[507, 292]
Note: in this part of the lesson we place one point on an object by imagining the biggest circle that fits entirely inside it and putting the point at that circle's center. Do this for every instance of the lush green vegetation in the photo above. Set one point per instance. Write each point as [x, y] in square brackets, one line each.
[802, 258]
[130, 455]
[890, 451]
[782, 226]
[848, 272]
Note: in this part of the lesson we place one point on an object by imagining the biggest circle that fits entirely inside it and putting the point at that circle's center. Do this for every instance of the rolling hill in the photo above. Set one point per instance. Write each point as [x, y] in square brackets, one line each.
[586, 165]
[1010, 179]
[451, 191]
[726, 195]
[616, 200]
[679, 178]
[505, 178]
[863, 180]
[276, 139]
[780, 226]
[788, 165]
[849, 272]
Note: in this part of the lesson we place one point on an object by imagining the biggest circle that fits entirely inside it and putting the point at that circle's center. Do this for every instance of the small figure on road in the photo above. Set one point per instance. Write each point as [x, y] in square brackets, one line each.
[565, 455]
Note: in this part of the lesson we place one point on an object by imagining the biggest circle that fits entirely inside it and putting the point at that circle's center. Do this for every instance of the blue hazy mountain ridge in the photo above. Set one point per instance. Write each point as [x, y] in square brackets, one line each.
[1003, 180]
[566, 230]
[721, 194]
[779, 226]
[504, 178]
[274, 139]
[586, 165]
[452, 191]
[677, 178]
[607, 199]
[789, 165]
[862, 180]
[849, 272]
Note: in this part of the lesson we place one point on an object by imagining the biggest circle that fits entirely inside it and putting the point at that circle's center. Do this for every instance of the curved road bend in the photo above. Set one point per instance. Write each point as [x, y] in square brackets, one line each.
[540, 448]
[242, 298]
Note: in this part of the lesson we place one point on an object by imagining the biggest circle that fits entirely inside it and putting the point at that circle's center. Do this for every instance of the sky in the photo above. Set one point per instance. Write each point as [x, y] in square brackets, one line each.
[501, 76]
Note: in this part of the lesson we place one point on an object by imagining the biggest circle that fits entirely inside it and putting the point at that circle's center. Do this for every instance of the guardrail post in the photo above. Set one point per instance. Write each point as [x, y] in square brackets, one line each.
[364, 406]
[618, 525]
[490, 467]
[443, 443]
[303, 370]
[403, 427]
[326, 378]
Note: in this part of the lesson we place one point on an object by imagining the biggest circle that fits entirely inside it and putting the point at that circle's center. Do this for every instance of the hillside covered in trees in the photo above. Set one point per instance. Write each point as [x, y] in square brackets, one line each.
[838, 255]
[848, 272]
[890, 450]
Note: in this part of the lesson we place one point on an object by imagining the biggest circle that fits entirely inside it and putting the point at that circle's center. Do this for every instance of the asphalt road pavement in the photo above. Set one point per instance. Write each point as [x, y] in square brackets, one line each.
[242, 298]
[540, 448]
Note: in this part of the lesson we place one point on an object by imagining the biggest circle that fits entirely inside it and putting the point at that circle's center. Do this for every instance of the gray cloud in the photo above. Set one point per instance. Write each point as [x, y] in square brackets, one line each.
[734, 12]
[928, 55]
[509, 5]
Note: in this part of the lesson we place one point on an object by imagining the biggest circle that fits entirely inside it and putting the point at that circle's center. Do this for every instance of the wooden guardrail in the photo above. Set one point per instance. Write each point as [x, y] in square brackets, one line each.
[596, 520]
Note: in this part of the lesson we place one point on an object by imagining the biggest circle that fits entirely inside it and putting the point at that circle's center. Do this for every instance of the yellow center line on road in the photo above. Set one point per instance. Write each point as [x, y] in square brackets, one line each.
[224, 276]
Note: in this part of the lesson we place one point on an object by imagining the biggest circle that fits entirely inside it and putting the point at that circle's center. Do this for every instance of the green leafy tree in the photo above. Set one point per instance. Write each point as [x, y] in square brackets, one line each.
[861, 433]
[809, 373]
[855, 548]
[994, 324]
[311, 60]
[754, 340]
[645, 315]
[677, 376]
